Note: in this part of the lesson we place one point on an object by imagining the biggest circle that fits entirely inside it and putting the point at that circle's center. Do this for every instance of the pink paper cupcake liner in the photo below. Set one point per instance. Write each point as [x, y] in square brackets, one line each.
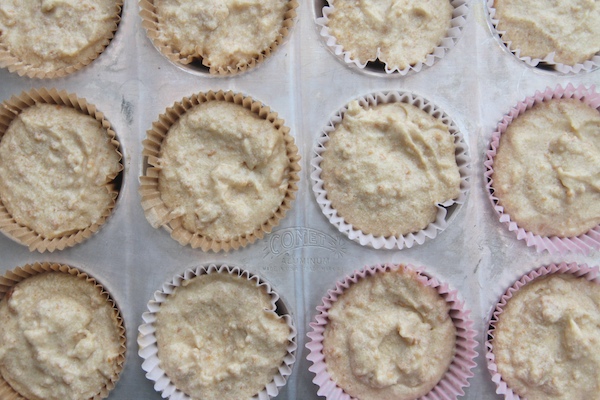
[148, 349]
[446, 211]
[586, 66]
[584, 243]
[583, 271]
[460, 370]
[453, 35]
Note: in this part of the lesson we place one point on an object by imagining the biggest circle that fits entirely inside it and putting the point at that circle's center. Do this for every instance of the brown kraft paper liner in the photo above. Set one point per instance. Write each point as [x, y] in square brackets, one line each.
[446, 210]
[151, 25]
[158, 214]
[12, 278]
[9, 110]
[15, 65]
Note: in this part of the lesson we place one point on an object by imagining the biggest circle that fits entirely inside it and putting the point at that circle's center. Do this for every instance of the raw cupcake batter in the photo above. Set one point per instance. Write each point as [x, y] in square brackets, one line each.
[219, 338]
[547, 338]
[399, 33]
[59, 338]
[54, 34]
[547, 169]
[223, 170]
[55, 165]
[568, 28]
[224, 33]
[387, 167]
[389, 337]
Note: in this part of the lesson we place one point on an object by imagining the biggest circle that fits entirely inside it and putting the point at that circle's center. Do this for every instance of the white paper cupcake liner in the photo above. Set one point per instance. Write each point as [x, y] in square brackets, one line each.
[584, 243]
[148, 349]
[446, 211]
[456, 377]
[583, 271]
[548, 60]
[453, 35]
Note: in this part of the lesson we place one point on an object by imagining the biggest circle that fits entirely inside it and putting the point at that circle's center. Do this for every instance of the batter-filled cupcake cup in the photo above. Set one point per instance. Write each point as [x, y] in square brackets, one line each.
[559, 36]
[221, 171]
[401, 167]
[408, 37]
[542, 335]
[61, 312]
[419, 342]
[543, 186]
[222, 38]
[230, 309]
[55, 39]
[60, 169]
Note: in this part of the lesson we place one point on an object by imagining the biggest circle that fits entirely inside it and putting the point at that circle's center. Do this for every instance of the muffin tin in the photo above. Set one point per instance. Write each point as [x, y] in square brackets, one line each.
[475, 84]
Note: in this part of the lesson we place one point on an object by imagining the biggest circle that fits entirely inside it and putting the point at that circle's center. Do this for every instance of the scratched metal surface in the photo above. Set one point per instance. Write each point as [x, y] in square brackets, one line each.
[475, 83]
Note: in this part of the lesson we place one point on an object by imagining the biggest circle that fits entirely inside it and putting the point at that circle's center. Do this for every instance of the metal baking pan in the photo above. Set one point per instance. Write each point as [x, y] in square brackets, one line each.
[476, 83]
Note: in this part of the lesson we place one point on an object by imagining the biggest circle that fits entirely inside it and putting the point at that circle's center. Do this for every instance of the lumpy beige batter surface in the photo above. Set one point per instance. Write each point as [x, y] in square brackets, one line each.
[225, 33]
[218, 337]
[386, 168]
[223, 170]
[389, 337]
[569, 28]
[55, 163]
[59, 338]
[547, 169]
[547, 338]
[403, 31]
[53, 34]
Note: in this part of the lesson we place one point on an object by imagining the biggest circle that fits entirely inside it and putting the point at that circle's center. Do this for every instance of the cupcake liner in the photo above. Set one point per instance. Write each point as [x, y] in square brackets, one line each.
[11, 278]
[9, 110]
[446, 211]
[158, 214]
[545, 63]
[196, 62]
[584, 243]
[15, 65]
[583, 271]
[148, 349]
[460, 370]
[453, 35]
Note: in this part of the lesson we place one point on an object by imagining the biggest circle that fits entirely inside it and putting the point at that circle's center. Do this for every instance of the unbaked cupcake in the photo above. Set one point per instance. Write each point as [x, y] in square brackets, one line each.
[561, 35]
[544, 335]
[225, 37]
[50, 39]
[217, 332]
[222, 171]
[547, 187]
[391, 332]
[59, 161]
[61, 335]
[390, 170]
[400, 35]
